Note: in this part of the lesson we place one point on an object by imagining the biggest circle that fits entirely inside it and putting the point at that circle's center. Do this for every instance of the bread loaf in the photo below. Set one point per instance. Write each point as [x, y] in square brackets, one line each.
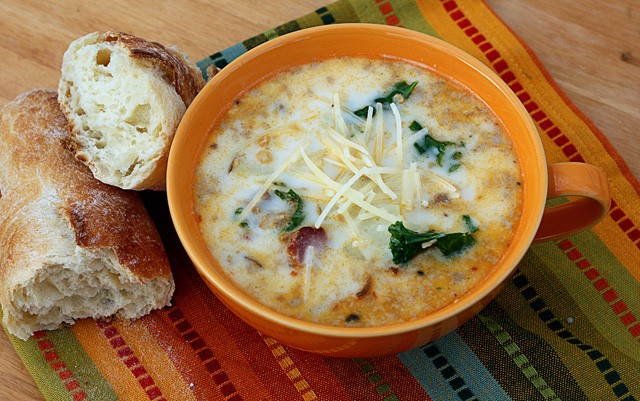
[70, 246]
[124, 97]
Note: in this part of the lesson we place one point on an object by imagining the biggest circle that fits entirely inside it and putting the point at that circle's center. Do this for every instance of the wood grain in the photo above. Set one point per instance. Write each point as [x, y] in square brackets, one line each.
[591, 50]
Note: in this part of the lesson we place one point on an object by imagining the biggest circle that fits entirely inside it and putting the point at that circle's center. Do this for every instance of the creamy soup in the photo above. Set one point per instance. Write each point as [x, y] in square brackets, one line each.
[358, 192]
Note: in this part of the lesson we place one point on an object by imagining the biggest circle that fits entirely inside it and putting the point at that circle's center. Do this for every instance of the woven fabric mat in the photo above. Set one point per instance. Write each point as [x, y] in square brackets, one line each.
[564, 327]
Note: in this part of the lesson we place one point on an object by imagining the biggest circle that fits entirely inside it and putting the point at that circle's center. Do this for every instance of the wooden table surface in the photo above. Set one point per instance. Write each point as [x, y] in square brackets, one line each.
[591, 49]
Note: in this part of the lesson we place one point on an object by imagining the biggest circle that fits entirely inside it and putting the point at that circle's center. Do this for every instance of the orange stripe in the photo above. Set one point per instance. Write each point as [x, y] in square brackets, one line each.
[160, 373]
[214, 324]
[129, 359]
[107, 361]
[318, 374]
[181, 356]
[290, 369]
[206, 355]
[266, 369]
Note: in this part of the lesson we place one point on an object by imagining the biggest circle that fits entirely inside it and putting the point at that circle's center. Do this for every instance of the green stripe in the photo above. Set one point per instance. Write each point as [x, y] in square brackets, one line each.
[586, 297]
[501, 366]
[340, 11]
[519, 358]
[47, 380]
[375, 379]
[77, 361]
[81, 365]
[408, 13]
[411, 17]
[542, 307]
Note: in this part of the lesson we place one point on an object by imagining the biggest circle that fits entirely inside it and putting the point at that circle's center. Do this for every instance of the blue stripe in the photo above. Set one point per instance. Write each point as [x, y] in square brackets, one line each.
[465, 363]
[470, 368]
[234, 52]
[427, 375]
[461, 359]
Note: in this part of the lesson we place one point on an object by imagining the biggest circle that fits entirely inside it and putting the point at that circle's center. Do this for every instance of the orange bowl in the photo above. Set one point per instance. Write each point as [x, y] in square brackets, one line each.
[360, 40]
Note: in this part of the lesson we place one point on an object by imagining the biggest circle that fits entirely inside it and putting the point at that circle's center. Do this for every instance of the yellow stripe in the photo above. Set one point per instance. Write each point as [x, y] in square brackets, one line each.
[292, 372]
[155, 361]
[439, 19]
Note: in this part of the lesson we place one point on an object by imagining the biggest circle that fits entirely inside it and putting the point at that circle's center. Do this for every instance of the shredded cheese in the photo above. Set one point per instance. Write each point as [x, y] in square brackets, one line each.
[334, 162]
[358, 157]
[378, 145]
[354, 196]
[335, 198]
[446, 184]
[367, 125]
[337, 115]
[416, 137]
[265, 186]
[399, 147]
[351, 223]
[417, 182]
[344, 141]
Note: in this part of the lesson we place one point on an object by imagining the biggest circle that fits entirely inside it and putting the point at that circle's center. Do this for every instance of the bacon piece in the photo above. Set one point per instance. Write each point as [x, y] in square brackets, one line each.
[301, 240]
[365, 289]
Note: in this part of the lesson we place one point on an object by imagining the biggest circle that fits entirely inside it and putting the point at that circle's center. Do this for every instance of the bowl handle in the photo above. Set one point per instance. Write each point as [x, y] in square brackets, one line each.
[588, 203]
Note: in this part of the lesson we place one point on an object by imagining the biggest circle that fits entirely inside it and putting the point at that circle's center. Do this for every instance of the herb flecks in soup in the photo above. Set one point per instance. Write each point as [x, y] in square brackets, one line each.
[358, 192]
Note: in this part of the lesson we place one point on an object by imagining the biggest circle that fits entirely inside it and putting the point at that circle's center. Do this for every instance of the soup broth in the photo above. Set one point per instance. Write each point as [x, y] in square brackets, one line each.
[358, 192]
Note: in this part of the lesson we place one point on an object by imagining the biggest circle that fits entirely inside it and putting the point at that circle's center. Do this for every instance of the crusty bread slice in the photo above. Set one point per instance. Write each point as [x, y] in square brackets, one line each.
[70, 246]
[124, 97]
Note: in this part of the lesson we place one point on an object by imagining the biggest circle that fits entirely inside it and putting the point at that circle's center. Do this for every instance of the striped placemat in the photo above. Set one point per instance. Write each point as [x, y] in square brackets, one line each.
[565, 327]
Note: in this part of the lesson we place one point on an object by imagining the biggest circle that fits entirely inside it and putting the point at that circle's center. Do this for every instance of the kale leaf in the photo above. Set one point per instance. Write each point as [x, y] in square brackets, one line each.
[401, 88]
[405, 244]
[298, 214]
[428, 143]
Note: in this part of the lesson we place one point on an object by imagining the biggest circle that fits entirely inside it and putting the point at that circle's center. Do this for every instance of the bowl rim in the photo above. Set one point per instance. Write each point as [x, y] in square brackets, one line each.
[224, 284]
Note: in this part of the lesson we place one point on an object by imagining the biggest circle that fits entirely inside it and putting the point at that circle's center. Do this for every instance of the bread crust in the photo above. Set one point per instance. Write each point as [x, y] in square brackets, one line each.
[176, 69]
[41, 182]
[172, 67]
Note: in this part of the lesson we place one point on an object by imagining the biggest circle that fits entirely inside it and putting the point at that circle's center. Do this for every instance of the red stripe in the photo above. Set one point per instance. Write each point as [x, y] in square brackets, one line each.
[634, 234]
[234, 339]
[591, 274]
[198, 344]
[561, 140]
[508, 77]
[386, 9]
[58, 366]
[194, 375]
[352, 379]
[618, 306]
[126, 355]
[610, 295]
[545, 125]
[471, 31]
[574, 254]
[503, 68]
[554, 132]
